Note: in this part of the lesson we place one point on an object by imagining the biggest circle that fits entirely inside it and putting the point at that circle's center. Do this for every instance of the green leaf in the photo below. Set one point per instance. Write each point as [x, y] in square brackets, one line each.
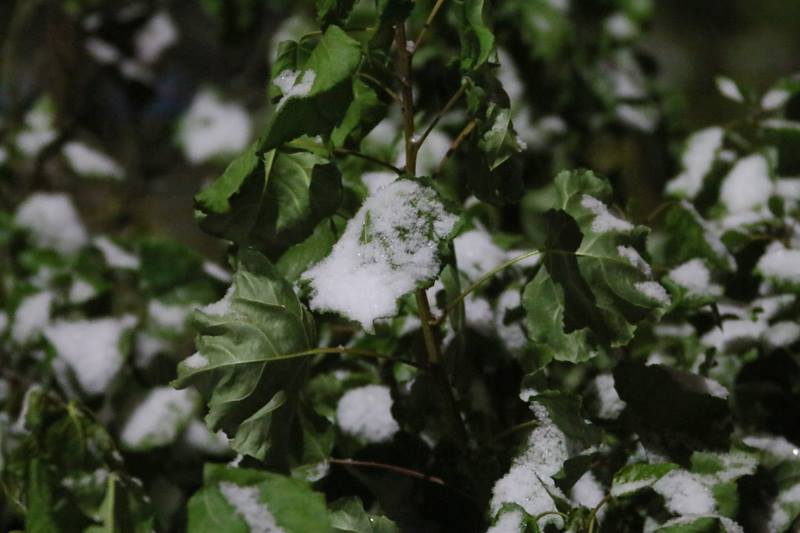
[39, 516]
[565, 412]
[253, 400]
[363, 114]
[348, 516]
[691, 236]
[477, 39]
[321, 93]
[333, 11]
[703, 524]
[545, 26]
[594, 288]
[239, 500]
[635, 477]
[168, 264]
[298, 258]
[122, 510]
[270, 203]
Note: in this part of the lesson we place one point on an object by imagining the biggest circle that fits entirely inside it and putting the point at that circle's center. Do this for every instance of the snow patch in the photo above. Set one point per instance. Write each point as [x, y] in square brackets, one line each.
[52, 221]
[695, 277]
[366, 413]
[31, 316]
[156, 36]
[747, 185]
[697, 159]
[604, 221]
[114, 255]
[212, 128]
[86, 161]
[158, 418]
[249, 505]
[476, 253]
[653, 290]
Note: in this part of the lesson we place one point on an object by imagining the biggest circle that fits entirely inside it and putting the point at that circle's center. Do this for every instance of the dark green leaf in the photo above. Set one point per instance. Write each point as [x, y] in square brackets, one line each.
[348, 516]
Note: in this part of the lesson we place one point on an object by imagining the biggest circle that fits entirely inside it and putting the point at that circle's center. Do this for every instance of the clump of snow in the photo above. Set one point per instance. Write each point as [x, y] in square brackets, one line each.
[91, 348]
[509, 77]
[168, 316]
[374, 181]
[620, 26]
[734, 333]
[775, 445]
[476, 253]
[780, 263]
[780, 518]
[728, 88]
[697, 159]
[52, 221]
[146, 348]
[782, 334]
[366, 413]
[156, 36]
[212, 128]
[653, 290]
[114, 255]
[221, 306]
[387, 249]
[714, 388]
[632, 255]
[196, 360]
[529, 481]
[217, 272]
[710, 235]
[479, 314]
[604, 221]
[587, 491]
[508, 522]
[101, 51]
[198, 437]
[747, 185]
[248, 504]
[640, 117]
[729, 525]
[38, 130]
[685, 494]
[512, 335]
[81, 291]
[31, 316]
[774, 99]
[610, 404]
[158, 418]
[86, 161]
[695, 277]
[294, 84]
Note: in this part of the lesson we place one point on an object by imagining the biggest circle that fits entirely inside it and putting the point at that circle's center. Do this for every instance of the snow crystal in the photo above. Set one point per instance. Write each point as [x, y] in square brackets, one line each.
[632, 255]
[780, 263]
[215, 271]
[294, 84]
[777, 446]
[610, 404]
[653, 290]
[387, 248]
[91, 348]
[747, 185]
[102, 51]
[196, 360]
[86, 161]
[684, 493]
[587, 491]
[476, 253]
[728, 88]
[774, 99]
[213, 128]
[37, 133]
[374, 181]
[782, 334]
[53, 222]
[620, 26]
[156, 36]
[697, 160]
[221, 306]
[31, 316]
[114, 255]
[604, 221]
[168, 316]
[198, 437]
[81, 291]
[508, 522]
[158, 418]
[528, 482]
[247, 502]
[694, 276]
[366, 412]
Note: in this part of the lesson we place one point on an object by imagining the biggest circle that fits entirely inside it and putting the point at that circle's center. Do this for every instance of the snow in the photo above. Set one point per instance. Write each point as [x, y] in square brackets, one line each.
[782, 334]
[629, 487]
[710, 235]
[509, 77]
[538, 135]
[685, 494]
[294, 84]
[775, 445]
[217, 272]
[728, 88]
[374, 181]
[31, 316]
[610, 404]
[114, 255]
[158, 418]
[86, 161]
[430, 153]
[604, 221]
[156, 36]
[221, 306]
[587, 491]
[198, 437]
[620, 26]
[653, 290]
[101, 51]
[366, 413]
[774, 99]
[38, 131]
[169, 316]
[779, 518]
[640, 117]
[714, 388]
[512, 335]
[387, 249]
[52, 221]
[632, 255]
[91, 348]
[212, 128]
[147, 347]
[697, 159]
[81, 291]
[695, 277]
[476, 253]
[529, 482]
[734, 333]
[249, 505]
[747, 185]
[780, 263]
[508, 522]
[479, 314]
[196, 360]
[729, 525]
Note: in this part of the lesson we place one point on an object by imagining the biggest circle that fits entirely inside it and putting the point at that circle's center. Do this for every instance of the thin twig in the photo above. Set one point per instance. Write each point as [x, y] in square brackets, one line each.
[457, 143]
[380, 84]
[442, 112]
[404, 73]
[432, 15]
[515, 428]
[371, 159]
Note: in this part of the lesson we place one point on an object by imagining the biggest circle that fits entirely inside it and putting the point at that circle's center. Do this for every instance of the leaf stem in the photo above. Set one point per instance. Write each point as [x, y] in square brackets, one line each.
[371, 159]
[515, 428]
[428, 22]
[483, 279]
[457, 143]
[383, 86]
[442, 112]
[593, 515]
